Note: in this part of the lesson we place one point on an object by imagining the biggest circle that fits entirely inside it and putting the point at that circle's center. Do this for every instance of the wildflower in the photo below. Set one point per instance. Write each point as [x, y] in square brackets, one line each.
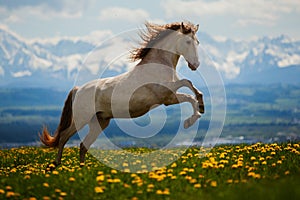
[10, 194]
[126, 185]
[26, 177]
[257, 176]
[63, 194]
[55, 172]
[46, 184]
[229, 181]
[113, 171]
[100, 178]
[98, 189]
[127, 170]
[2, 191]
[57, 190]
[279, 162]
[213, 184]
[234, 166]
[8, 187]
[197, 185]
[71, 179]
[287, 172]
[159, 192]
[252, 158]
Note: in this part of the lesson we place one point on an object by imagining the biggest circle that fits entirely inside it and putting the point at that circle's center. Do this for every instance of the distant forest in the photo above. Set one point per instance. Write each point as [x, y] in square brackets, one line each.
[252, 111]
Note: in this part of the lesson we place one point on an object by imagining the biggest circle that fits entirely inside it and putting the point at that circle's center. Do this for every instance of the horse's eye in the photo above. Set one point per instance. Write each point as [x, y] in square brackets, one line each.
[188, 42]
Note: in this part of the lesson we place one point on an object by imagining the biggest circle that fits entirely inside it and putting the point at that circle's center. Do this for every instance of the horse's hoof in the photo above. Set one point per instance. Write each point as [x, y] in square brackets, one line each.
[190, 121]
[201, 109]
[186, 124]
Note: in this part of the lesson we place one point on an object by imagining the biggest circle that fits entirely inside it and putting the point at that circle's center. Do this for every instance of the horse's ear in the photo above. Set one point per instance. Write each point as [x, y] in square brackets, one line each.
[181, 27]
[196, 28]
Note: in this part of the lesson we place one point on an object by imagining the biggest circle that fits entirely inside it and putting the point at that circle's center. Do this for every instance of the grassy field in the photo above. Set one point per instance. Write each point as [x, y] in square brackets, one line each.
[258, 171]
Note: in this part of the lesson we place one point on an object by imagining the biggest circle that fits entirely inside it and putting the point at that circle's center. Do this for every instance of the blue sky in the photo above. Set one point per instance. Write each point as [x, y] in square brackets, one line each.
[242, 19]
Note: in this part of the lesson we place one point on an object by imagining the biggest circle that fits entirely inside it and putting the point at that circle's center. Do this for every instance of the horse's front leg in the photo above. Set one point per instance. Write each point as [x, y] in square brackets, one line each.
[176, 98]
[189, 84]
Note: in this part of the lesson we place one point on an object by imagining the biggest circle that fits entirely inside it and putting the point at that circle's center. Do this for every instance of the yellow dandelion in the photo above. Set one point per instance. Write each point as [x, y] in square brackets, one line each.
[51, 165]
[71, 179]
[279, 162]
[229, 181]
[197, 185]
[55, 172]
[100, 178]
[98, 189]
[213, 184]
[63, 194]
[126, 170]
[46, 184]
[10, 194]
[57, 190]
[287, 172]
[166, 191]
[257, 176]
[182, 173]
[8, 187]
[159, 192]
[26, 177]
[234, 166]
[113, 171]
[2, 191]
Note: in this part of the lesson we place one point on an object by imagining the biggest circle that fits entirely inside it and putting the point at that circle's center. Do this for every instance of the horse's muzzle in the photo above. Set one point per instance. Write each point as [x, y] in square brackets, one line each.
[193, 66]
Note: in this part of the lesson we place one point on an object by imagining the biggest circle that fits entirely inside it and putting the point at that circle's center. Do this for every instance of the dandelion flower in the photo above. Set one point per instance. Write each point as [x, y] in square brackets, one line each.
[46, 184]
[98, 189]
[213, 184]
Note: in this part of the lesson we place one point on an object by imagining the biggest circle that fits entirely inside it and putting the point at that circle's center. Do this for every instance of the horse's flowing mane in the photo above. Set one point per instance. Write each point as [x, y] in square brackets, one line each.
[155, 33]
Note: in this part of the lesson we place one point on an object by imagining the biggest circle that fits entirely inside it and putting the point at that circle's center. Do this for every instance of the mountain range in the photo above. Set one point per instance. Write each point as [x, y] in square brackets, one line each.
[56, 64]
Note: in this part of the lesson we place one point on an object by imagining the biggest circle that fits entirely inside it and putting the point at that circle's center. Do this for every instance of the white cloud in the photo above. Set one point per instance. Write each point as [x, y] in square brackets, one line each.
[46, 10]
[120, 13]
[21, 74]
[246, 12]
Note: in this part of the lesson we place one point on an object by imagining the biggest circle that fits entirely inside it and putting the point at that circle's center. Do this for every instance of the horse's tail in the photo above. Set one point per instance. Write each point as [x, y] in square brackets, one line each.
[65, 121]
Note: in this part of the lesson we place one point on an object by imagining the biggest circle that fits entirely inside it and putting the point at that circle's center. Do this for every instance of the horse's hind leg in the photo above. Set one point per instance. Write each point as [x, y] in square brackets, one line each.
[64, 137]
[96, 126]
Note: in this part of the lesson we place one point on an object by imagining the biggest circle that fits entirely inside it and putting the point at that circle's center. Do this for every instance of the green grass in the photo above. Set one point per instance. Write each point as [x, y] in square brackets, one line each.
[259, 171]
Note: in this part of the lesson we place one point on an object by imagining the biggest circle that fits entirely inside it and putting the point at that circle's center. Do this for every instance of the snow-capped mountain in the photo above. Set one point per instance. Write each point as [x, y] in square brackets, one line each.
[34, 63]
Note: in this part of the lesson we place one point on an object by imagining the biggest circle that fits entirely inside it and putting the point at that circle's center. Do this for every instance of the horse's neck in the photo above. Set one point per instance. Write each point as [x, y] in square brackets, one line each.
[164, 52]
[161, 56]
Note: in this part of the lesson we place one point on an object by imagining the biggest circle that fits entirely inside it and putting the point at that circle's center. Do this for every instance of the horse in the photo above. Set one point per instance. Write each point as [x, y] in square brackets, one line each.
[153, 81]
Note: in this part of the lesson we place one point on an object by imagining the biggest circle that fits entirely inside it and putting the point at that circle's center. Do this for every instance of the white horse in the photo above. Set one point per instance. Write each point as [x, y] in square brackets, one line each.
[152, 82]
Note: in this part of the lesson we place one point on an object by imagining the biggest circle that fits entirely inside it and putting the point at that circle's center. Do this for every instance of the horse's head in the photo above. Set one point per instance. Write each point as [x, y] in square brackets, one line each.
[187, 45]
